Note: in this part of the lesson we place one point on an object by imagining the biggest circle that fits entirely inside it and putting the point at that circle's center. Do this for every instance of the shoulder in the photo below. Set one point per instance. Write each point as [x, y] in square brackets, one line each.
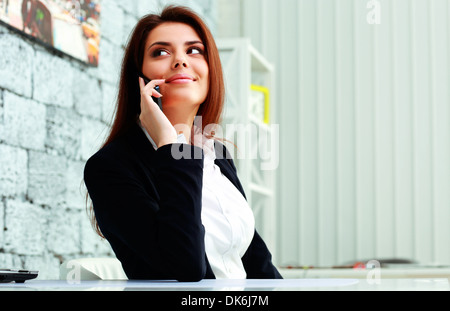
[109, 152]
[115, 155]
[122, 150]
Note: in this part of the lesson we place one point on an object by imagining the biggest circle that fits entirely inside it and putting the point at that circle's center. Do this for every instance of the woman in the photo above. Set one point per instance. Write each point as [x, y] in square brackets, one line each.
[168, 216]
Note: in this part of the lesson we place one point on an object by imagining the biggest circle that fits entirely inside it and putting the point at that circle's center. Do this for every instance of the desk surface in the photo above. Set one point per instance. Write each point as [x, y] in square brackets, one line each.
[421, 284]
[383, 273]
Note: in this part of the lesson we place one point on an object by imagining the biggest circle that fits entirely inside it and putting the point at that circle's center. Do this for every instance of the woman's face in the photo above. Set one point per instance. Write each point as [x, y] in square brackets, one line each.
[174, 52]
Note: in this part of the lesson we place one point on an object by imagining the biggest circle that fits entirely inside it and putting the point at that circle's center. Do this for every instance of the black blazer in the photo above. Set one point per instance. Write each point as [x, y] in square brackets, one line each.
[148, 205]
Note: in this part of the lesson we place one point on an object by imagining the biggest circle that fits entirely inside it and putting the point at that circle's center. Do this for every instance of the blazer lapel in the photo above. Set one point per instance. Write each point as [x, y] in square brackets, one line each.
[225, 162]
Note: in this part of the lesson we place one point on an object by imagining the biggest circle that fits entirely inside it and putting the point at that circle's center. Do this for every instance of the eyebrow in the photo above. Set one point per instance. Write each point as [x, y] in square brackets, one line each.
[164, 43]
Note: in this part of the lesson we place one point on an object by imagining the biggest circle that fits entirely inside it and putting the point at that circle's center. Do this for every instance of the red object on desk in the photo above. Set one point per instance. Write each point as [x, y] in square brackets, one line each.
[359, 265]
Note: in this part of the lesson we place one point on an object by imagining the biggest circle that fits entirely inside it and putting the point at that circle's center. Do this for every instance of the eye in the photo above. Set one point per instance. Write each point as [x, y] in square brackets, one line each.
[160, 52]
[195, 50]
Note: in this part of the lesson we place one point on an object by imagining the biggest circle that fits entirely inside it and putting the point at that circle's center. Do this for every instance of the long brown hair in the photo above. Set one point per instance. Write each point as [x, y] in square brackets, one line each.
[128, 100]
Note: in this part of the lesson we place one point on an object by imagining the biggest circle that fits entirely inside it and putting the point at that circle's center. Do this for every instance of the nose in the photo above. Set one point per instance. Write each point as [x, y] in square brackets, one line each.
[178, 64]
[180, 61]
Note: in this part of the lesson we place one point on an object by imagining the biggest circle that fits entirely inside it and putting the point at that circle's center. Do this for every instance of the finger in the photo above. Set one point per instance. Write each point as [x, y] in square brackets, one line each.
[150, 87]
[156, 94]
[153, 83]
[141, 83]
[145, 91]
[151, 92]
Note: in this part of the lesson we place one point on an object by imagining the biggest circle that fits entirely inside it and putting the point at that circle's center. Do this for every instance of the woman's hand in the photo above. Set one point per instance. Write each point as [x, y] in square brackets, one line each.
[152, 118]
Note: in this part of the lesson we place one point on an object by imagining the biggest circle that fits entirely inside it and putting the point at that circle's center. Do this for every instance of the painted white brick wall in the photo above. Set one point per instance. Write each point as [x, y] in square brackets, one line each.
[13, 171]
[16, 64]
[23, 122]
[54, 114]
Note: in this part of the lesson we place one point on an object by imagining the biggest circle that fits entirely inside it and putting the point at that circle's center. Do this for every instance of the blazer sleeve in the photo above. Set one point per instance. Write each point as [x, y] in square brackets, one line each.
[166, 233]
[257, 260]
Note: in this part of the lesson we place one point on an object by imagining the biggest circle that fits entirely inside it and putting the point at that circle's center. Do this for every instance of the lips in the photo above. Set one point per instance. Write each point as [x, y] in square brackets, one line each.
[180, 78]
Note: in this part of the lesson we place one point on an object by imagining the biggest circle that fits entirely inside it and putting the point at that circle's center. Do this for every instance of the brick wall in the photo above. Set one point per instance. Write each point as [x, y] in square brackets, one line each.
[54, 113]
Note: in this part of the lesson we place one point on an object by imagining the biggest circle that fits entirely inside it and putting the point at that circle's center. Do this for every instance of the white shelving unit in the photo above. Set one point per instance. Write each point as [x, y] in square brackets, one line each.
[246, 123]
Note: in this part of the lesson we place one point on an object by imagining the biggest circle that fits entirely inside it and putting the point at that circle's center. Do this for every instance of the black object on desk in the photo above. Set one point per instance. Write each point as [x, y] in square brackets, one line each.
[18, 276]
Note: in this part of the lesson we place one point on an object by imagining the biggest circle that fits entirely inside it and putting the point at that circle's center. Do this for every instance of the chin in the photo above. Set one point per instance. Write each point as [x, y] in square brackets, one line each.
[182, 98]
[181, 102]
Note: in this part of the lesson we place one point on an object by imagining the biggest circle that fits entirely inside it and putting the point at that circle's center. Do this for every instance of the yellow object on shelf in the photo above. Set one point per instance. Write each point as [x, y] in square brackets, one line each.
[266, 92]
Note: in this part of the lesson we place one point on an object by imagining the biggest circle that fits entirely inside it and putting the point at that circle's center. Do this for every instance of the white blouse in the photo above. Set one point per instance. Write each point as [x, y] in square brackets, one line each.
[228, 219]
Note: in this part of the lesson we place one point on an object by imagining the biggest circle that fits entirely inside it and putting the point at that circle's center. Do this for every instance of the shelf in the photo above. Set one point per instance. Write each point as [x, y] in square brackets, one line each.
[249, 80]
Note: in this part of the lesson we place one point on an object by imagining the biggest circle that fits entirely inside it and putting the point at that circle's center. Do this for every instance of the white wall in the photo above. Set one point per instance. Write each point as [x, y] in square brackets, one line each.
[364, 114]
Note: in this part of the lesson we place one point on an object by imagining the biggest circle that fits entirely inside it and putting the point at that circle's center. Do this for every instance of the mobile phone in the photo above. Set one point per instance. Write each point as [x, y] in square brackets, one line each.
[157, 100]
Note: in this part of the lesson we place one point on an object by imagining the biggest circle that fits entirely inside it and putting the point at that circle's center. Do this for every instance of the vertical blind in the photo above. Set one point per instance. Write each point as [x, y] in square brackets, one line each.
[364, 114]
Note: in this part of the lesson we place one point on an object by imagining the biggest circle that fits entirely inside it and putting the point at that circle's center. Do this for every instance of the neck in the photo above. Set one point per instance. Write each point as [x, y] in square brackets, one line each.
[182, 120]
